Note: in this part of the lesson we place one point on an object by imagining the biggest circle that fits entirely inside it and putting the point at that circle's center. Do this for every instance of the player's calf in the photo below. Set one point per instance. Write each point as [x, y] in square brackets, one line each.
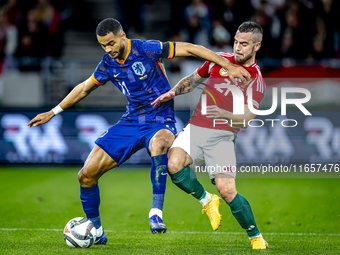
[178, 159]
[90, 200]
[158, 179]
[186, 180]
[226, 186]
[241, 210]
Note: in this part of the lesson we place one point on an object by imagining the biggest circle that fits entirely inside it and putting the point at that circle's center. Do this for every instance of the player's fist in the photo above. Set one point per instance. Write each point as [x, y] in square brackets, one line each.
[164, 97]
[236, 71]
[41, 118]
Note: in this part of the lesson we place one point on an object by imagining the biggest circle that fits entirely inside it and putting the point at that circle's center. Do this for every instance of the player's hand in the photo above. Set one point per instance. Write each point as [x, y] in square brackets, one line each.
[41, 118]
[236, 71]
[213, 112]
[163, 98]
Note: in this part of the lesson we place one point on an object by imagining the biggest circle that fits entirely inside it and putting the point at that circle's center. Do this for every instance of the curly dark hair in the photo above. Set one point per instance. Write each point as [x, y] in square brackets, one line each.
[107, 26]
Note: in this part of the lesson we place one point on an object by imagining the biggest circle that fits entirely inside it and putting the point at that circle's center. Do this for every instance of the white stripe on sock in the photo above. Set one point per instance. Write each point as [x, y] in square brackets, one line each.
[99, 231]
[259, 235]
[156, 211]
[204, 201]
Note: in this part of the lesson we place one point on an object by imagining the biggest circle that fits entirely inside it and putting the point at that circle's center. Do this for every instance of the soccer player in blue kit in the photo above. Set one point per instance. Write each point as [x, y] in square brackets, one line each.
[136, 68]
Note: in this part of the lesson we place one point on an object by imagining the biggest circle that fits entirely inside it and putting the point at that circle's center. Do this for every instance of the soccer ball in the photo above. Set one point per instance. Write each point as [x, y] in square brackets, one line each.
[79, 233]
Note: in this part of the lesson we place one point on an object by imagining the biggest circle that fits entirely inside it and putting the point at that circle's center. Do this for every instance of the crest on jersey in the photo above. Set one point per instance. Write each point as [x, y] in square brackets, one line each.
[223, 72]
[138, 68]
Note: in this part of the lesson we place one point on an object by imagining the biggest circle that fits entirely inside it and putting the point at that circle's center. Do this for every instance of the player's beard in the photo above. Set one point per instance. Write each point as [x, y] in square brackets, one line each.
[246, 58]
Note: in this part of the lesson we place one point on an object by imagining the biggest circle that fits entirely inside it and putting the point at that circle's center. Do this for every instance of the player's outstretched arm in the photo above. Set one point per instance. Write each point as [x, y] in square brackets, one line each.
[187, 84]
[78, 93]
[239, 121]
[234, 71]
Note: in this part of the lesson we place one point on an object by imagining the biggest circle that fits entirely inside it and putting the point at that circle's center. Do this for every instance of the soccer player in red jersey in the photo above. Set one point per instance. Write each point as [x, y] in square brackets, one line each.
[210, 135]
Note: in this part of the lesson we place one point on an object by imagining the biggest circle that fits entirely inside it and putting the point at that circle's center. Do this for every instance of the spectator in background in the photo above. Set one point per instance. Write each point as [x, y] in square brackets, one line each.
[290, 32]
[197, 20]
[269, 7]
[294, 29]
[32, 42]
[8, 42]
[232, 12]
[44, 12]
[266, 15]
[131, 16]
[298, 30]
[12, 11]
[265, 21]
[318, 51]
[329, 11]
[40, 35]
[50, 19]
[220, 38]
[287, 48]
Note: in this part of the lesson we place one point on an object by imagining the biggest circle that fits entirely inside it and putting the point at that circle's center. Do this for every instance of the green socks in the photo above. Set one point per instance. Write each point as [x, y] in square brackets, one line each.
[187, 181]
[242, 212]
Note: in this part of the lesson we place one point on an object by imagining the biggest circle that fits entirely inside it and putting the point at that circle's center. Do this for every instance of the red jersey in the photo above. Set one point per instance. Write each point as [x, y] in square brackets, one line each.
[217, 93]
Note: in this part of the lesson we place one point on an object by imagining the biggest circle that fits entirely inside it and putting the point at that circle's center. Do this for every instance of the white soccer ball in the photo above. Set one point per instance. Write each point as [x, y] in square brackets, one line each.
[80, 233]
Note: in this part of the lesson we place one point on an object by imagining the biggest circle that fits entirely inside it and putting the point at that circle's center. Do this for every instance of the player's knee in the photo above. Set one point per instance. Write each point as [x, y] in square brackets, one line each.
[227, 193]
[84, 179]
[161, 145]
[174, 165]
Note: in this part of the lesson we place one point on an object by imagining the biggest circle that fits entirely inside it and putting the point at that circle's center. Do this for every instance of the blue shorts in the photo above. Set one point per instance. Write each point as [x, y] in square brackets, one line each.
[121, 141]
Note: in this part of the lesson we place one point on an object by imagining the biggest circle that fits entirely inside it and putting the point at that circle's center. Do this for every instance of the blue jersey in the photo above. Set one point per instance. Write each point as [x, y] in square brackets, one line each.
[141, 78]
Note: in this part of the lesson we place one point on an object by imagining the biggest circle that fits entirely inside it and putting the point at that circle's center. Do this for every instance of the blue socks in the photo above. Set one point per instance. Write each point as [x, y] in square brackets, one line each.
[90, 199]
[159, 172]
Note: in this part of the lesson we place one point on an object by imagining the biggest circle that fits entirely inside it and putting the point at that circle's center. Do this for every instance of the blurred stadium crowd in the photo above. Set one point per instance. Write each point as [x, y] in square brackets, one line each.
[31, 30]
[300, 31]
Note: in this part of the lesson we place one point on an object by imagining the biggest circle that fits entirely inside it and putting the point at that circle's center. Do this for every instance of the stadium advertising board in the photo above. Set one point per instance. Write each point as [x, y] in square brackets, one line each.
[69, 137]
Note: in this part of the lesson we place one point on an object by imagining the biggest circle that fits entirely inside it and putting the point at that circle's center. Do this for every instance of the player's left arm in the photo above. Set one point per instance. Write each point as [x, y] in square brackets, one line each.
[234, 71]
[239, 121]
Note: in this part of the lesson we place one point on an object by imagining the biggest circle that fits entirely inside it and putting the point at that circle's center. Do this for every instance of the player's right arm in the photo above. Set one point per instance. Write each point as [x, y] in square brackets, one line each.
[169, 50]
[183, 49]
[186, 85]
[81, 91]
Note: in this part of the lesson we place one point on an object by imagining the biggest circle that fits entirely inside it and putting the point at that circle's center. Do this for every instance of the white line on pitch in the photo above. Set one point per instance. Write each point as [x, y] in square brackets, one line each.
[180, 232]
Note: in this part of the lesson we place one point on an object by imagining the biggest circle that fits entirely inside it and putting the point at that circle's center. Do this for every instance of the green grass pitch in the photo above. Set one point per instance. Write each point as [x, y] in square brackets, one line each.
[295, 215]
